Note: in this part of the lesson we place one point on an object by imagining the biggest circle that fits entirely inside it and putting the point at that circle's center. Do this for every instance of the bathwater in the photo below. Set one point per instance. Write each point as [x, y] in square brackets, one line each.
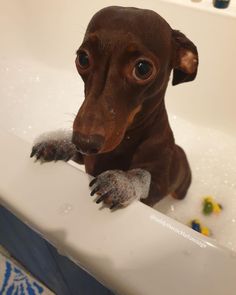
[36, 98]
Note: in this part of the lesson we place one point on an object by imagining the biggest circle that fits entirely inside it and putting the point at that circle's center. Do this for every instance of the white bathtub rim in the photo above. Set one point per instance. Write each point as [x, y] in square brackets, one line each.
[29, 212]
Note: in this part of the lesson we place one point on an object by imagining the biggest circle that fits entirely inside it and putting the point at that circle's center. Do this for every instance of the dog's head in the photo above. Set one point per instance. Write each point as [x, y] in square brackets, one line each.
[125, 60]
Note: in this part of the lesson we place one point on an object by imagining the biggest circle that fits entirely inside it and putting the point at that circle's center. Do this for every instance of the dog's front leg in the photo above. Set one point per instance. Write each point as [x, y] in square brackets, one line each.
[147, 180]
[56, 145]
[119, 188]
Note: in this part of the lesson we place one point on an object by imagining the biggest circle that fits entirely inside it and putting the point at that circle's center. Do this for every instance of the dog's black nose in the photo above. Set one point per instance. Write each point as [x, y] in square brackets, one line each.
[88, 144]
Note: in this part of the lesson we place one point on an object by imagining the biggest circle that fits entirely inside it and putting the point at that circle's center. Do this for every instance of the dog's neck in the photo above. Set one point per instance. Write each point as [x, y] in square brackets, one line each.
[152, 119]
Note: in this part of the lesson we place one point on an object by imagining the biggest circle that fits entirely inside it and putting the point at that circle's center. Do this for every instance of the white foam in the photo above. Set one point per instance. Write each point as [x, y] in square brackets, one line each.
[212, 158]
[60, 135]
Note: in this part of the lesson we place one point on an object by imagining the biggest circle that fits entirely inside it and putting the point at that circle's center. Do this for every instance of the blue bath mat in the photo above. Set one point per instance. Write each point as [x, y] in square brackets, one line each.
[15, 281]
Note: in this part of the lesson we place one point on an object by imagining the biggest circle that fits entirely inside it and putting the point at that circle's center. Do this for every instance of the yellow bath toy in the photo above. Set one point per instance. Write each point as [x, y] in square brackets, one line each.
[205, 231]
[197, 226]
[210, 206]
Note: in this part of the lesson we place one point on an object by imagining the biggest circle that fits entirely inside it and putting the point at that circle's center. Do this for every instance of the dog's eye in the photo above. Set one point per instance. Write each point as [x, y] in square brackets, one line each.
[142, 70]
[83, 60]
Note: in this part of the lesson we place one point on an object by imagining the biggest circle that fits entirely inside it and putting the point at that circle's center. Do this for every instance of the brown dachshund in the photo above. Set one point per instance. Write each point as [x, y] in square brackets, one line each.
[121, 132]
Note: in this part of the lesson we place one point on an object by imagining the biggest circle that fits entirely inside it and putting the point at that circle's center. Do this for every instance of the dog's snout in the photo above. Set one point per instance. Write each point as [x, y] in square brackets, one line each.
[88, 144]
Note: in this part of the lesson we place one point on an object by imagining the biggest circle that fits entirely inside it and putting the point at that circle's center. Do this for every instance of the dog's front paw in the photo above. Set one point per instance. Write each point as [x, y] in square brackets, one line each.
[53, 146]
[118, 188]
[53, 150]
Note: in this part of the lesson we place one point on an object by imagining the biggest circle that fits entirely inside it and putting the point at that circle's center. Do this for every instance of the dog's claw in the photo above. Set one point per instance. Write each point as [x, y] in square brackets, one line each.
[114, 205]
[38, 155]
[68, 158]
[33, 152]
[95, 190]
[92, 182]
[99, 200]
[57, 157]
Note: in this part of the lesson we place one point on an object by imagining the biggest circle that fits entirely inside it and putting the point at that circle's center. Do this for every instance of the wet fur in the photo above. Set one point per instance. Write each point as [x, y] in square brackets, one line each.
[131, 118]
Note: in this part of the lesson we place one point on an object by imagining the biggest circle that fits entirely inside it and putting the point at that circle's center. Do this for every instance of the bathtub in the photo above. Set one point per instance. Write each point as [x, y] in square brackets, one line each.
[137, 250]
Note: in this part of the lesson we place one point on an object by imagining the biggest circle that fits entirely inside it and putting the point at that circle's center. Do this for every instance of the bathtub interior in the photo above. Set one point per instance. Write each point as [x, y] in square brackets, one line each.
[41, 91]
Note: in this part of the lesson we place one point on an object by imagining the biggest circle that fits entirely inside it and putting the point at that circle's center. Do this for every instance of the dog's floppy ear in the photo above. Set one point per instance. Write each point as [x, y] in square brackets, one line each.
[185, 58]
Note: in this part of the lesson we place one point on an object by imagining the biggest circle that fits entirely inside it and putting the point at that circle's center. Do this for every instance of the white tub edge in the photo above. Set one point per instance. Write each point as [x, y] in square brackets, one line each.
[132, 251]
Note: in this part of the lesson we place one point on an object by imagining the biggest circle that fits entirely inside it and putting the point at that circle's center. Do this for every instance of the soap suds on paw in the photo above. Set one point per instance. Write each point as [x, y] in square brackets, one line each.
[55, 145]
[141, 180]
[122, 187]
[60, 135]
